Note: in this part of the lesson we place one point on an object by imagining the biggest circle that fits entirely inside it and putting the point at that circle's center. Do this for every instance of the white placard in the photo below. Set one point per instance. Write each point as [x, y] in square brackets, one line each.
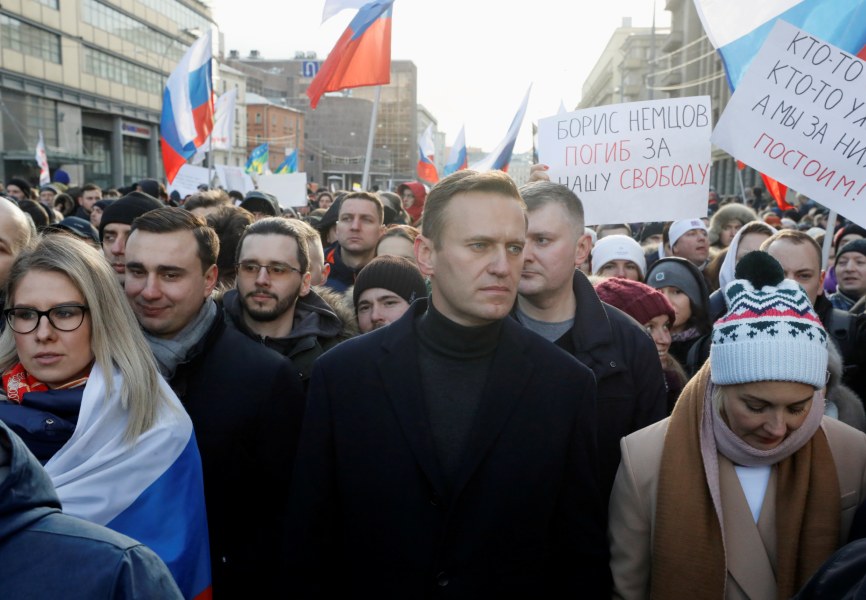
[234, 178]
[188, 179]
[641, 161]
[799, 116]
[290, 189]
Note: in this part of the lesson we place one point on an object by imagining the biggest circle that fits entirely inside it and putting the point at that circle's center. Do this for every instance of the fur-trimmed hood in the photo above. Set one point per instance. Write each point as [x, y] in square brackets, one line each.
[726, 214]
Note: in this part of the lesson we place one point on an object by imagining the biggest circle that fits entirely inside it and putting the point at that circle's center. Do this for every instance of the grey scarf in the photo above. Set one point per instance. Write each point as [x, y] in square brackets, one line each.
[169, 353]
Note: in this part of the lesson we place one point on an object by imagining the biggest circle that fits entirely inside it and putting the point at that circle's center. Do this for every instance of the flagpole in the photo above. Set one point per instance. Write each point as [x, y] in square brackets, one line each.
[365, 179]
[742, 185]
[828, 239]
[210, 161]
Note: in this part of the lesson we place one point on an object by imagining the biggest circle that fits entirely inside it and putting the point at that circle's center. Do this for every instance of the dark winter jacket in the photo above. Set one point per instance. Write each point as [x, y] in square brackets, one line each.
[631, 385]
[342, 276]
[317, 327]
[850, 340]
[47, 554]
[246, 405]
[848, 406]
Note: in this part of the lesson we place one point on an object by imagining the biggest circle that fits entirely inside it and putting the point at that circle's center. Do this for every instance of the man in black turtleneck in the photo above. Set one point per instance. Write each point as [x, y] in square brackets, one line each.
[451, 453]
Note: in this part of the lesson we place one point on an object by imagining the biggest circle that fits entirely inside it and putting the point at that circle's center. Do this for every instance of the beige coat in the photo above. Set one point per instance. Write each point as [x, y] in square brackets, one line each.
[750, 550]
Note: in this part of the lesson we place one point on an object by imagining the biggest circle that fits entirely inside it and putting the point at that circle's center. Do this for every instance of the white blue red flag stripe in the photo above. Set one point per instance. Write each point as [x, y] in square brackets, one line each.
[187, 106]
[333, 7]
[738, 28]
[362, 55]
[457, 156]
[426, 153]
[151, 491]
[500, 158]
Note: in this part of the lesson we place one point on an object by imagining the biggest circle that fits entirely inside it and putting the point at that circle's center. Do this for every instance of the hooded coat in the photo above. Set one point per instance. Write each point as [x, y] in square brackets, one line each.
[415, 211]
[47, 554]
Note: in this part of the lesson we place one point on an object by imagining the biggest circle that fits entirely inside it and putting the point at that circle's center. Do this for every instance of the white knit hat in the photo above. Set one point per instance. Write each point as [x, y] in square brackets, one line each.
[770, 332]
[617, 247]
[679, 228]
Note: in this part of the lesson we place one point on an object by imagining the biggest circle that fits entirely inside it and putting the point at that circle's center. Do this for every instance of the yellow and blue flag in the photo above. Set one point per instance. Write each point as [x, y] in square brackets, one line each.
[290, 165]
[258, 159]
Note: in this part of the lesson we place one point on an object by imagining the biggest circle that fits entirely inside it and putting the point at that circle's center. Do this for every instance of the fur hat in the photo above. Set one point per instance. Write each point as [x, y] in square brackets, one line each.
[729, 212]
[770, 332]
[393, 273]
[638, 300]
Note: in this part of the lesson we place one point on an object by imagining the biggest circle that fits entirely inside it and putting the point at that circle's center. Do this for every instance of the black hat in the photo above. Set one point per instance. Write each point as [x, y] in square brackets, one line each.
[858, 245]
[393, 273]
[21, 184]
[103, 204]
[79, 227]
[331, 216]
[262, 202]
[127, 209]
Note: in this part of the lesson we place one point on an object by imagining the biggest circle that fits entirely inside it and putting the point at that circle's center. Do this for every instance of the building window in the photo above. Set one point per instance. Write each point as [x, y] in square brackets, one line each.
[121, 72]
[185, 17]
[258, 118]
[50, 3]
[116, 23]
[26, 115]
[27, 39]
[134, 159]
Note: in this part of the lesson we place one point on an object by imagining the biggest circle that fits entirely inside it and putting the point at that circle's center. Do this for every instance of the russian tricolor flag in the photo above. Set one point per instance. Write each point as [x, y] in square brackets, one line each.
[500, 158]
[426, 153]
[150, 490]
[738, 28]
[457, 156]
[362, 55]
[187, 106]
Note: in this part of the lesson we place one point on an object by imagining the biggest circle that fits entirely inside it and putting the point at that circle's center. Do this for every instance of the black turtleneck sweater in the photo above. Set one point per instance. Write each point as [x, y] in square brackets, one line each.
[455, 361]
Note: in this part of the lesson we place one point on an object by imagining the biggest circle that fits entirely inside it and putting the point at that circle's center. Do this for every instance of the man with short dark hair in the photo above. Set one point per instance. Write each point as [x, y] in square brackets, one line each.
[90, 195]
[273, 302]
[360, 224]
[453, 452]
[245, 402]
[558, 302]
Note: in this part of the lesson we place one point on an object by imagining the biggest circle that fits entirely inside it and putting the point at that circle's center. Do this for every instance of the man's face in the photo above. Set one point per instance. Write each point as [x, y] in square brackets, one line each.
[89, 198]
[476, 270]
[694, 246]
[851, 274]
[623, 269]
[553, 249]
[408, 198]
[358, 226]
[377, 307]
[46, 197]
[114, 248]
[16, 192]
[800, 263]
[11, 226]
[264, 296]
[164, 282]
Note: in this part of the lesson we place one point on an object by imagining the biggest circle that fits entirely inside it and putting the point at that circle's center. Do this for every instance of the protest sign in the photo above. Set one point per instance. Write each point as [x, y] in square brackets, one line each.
[799, 115]
[290, 189]
[234, 178]
[188, 179]
[641, 161]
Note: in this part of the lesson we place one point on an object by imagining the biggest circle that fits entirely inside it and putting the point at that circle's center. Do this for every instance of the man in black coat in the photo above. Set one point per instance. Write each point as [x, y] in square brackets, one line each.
[560, 304]
[452, 453]
[245, 401]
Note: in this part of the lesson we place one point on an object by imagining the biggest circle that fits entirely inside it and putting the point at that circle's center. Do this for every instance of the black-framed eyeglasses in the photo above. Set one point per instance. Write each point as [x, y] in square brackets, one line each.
[275, 271]
[65, 317]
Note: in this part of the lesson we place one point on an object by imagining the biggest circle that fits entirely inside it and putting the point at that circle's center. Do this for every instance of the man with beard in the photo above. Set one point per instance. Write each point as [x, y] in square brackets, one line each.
[273, 302]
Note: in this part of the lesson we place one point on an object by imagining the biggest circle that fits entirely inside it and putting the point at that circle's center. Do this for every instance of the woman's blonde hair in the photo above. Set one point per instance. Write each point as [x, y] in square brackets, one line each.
[116, 339]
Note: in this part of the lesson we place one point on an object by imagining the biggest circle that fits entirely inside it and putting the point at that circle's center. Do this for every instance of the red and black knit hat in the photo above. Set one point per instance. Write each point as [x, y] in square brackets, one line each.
[770, 332]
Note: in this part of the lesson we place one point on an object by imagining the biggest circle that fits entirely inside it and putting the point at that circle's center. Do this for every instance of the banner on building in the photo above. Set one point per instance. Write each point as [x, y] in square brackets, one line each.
[799, 115]
[640, 161]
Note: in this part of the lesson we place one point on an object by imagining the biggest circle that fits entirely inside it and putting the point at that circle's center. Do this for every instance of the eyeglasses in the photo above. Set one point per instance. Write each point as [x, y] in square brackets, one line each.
[276, 271]
[66, 317]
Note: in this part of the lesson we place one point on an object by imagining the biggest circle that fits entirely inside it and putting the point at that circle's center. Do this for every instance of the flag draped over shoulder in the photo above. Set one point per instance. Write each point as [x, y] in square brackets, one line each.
[42, 161]
[151, 491]
[289, 165]
[362, 55]
[500, 158]
[738, 29]
[426, 154]
[187, 106]
[258, 159]
[457, 156]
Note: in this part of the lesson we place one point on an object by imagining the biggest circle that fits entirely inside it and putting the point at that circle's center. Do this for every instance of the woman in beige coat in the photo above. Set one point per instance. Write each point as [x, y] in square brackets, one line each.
[746, 489]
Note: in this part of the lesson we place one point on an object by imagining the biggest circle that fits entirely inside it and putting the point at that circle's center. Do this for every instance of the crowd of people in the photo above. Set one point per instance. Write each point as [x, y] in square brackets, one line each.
[452, 391]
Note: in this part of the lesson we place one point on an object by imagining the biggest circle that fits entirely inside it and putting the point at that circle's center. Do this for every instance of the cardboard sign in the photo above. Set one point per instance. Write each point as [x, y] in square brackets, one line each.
[188, 179]
[290, 189]
[799, 116]
[641, 161]
[234, 178]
